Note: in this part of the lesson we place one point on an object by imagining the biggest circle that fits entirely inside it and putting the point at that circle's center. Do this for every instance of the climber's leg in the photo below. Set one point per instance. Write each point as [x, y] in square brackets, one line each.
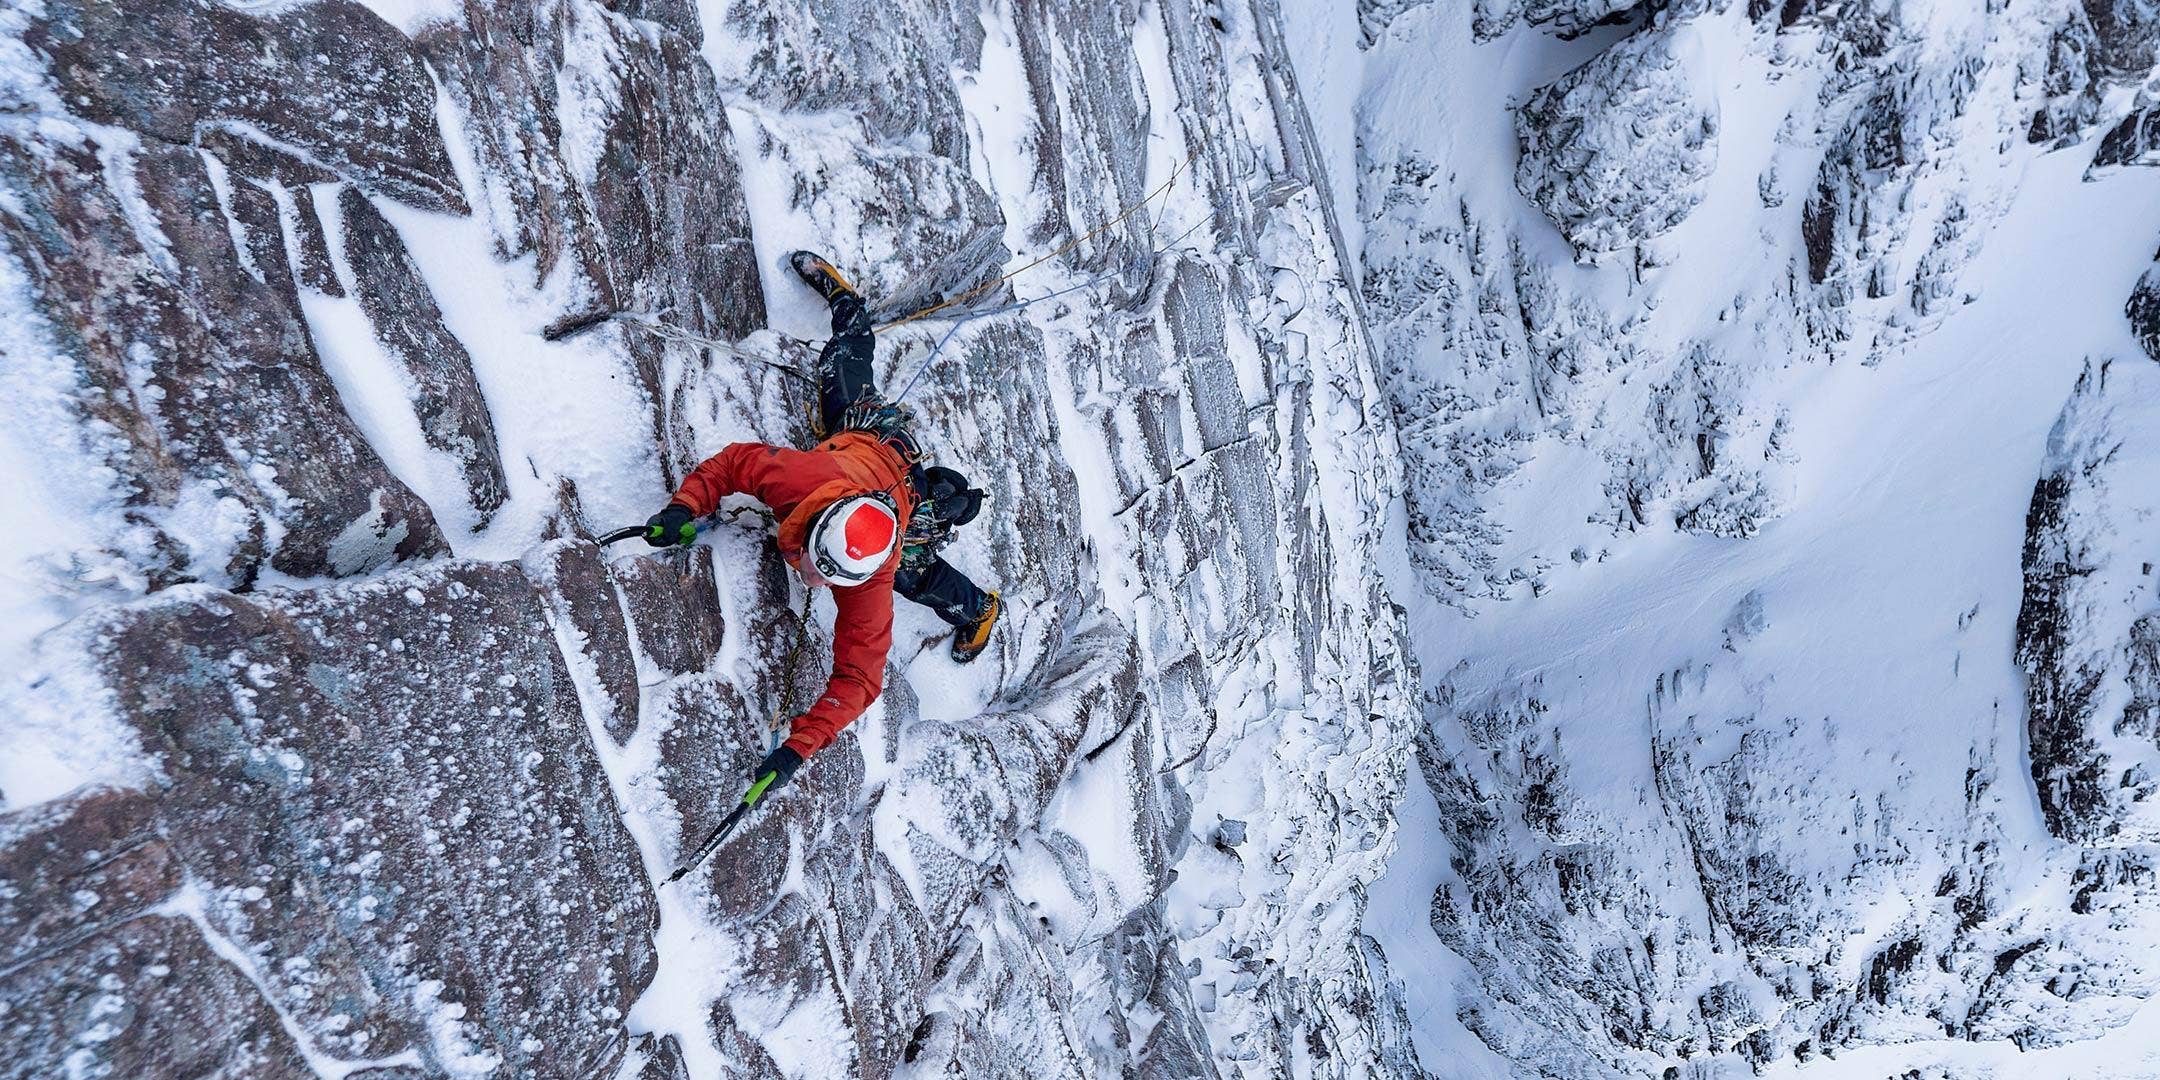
[941, 588]
[844, 371]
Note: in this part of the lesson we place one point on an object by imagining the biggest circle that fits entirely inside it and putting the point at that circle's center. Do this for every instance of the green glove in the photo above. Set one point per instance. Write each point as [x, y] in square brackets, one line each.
[670, 527]
[780, 765]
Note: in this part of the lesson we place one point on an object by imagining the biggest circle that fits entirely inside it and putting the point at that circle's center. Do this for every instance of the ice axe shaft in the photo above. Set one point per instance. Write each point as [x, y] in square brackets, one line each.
[727, 825]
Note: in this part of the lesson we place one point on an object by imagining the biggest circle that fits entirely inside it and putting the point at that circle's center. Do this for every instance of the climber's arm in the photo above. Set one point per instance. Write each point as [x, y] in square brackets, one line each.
[774, 475]
[862, 636]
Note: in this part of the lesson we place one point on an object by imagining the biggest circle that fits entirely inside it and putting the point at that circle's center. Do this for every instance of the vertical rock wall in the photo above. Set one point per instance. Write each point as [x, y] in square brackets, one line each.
[395, 762]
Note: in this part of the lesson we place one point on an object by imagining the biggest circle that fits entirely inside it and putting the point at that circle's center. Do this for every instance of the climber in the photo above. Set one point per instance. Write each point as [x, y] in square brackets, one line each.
[843, 507]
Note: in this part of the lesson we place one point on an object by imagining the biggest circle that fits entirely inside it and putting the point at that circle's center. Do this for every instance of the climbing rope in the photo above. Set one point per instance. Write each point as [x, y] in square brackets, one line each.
[1082, 239]
[792, 664]
[1098, 279]
[660, 329]
[789, 666]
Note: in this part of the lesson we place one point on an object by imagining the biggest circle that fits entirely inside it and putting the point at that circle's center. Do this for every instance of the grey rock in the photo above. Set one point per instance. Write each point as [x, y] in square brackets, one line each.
[2086, 637]
[1572, 17]
[655, 1059]
[411, 855]
[81, 864]
[192, 363]
[669, 602]
[2133, 141]
[446, 397]
[2143, 311]
[835, 55]
[1096, 132]
[2126, 36]
[1619, 150]
[360, 770]
[924, 231]
[332, 85]
[580, 591]
[634, 195]
[148, 998]
[667, 194]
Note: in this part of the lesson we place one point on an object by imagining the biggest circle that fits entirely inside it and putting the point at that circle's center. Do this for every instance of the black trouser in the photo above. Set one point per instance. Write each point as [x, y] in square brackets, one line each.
[845, 377]
[942, 589]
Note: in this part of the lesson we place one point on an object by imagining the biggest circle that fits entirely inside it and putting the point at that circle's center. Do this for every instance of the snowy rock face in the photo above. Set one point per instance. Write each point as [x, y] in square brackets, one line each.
[2097, 46]
[378, 835]
[2089, 629]
[1787, 681]
[1618, 151]
[333, 329]
[164, 337]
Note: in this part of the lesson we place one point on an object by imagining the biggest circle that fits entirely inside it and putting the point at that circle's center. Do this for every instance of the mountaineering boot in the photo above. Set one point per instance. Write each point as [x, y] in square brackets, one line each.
[820, 275]
[970, 641]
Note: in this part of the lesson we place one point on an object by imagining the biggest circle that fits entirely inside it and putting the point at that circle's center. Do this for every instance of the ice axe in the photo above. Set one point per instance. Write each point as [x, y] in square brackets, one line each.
[701, 525]
[727, 825]
[757, 790]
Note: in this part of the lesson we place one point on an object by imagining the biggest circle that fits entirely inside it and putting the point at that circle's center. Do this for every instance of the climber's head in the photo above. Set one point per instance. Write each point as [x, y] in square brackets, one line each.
[850, 539]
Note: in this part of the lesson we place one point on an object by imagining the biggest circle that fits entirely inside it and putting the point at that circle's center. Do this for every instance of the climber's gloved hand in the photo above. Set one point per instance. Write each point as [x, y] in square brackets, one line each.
[782, 763]
[670, 527]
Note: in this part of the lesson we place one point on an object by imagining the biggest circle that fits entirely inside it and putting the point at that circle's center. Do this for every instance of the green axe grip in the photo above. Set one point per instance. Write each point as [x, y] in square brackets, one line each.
[685, 533]
[757, 790]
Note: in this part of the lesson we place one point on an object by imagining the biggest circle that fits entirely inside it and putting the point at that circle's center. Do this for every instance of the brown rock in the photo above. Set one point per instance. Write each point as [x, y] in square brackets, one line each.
[327, 82]
[75, 865]
[147, 999]
[453, 412]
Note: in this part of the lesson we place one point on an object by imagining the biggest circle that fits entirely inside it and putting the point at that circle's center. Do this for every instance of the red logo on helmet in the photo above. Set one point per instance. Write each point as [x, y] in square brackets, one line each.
[869, 531]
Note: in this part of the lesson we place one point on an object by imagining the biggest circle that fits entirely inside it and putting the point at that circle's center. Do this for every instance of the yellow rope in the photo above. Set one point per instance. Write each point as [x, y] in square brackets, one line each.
[1090, 235]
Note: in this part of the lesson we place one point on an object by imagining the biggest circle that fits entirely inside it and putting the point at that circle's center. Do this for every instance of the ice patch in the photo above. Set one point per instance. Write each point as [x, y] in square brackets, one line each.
[368, 543]
[413, 16]
[451, 1035]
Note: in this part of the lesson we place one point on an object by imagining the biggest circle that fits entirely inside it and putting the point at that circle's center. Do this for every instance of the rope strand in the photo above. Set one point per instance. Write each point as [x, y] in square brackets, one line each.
[664, 330]
[788, 668]
[1082, 239]
[1089, 283]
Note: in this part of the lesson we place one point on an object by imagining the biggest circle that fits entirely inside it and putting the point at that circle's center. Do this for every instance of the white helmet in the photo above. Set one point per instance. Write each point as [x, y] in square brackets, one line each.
[852, 538]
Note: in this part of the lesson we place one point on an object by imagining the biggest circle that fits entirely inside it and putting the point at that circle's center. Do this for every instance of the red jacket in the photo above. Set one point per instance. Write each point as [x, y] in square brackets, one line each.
[797, 484]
